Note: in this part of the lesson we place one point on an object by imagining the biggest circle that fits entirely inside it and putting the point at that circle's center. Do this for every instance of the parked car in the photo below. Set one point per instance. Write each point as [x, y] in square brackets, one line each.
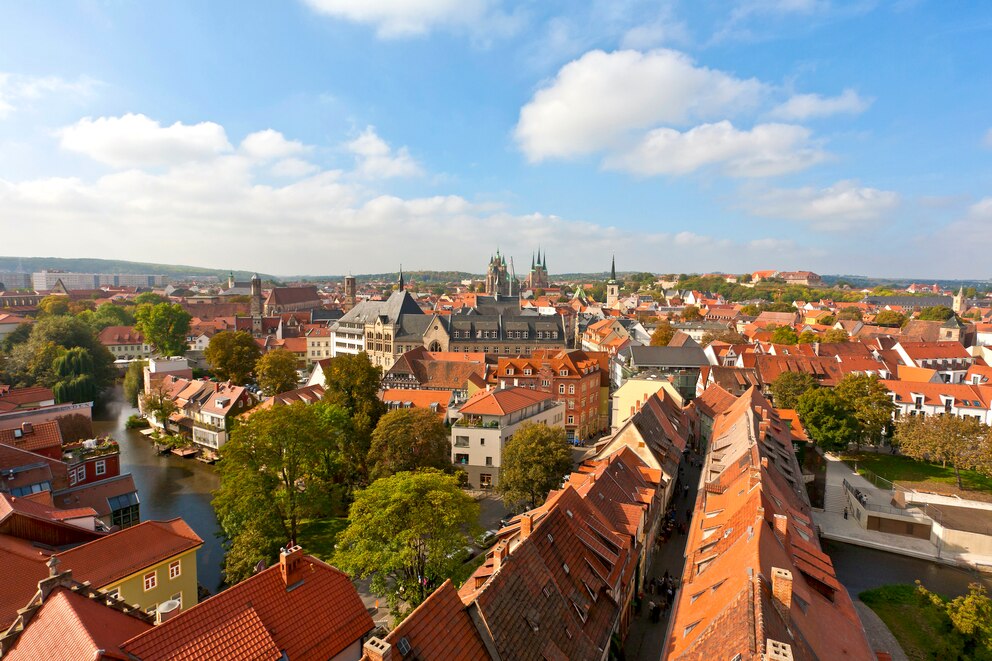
[487, 539]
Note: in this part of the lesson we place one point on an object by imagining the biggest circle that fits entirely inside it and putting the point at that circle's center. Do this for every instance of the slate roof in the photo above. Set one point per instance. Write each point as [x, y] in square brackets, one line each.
[665, 357]
[399, 303]
[314, 619]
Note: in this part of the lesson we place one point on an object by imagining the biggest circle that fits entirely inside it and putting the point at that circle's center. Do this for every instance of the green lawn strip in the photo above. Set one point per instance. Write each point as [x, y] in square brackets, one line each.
[317, 536]
[898, 468]
[919, 627]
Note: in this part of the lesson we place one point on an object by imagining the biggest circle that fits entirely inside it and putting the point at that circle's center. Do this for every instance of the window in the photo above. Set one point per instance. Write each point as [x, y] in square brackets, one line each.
[150, 580]
[461, 441]
[528, 371]
[485, 480]
[461, 459]
[571, 419]
[489, 461]
[561, 388]
[124, 509]
[81, 473]
[175, 569]
[115, 593]
[101, 467]
[571, 389]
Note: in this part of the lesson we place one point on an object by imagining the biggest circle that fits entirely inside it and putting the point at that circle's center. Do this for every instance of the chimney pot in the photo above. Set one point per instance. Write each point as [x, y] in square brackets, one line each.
[378, 650]
[499, 555]
[782, 590]
[781, 523]
[526, 525]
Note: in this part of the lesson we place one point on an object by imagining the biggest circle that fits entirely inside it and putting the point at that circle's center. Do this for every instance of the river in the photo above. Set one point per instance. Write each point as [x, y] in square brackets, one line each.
[167, 485]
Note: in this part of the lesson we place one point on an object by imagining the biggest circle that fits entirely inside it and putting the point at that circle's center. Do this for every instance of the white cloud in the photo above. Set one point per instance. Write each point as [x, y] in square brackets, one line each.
[136, 140]
[377, 160]
[406, 18]
[806, 106]
[270, 144]
[293, 168]
[841, 207]
[765, 150]
[20, 90]
[597, 101]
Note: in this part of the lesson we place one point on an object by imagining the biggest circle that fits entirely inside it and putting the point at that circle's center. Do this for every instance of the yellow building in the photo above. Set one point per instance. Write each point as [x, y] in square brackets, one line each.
[145, 565]
[631, 396]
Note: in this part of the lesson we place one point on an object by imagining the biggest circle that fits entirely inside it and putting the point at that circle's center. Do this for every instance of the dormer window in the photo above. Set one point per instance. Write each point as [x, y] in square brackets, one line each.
[509, 371]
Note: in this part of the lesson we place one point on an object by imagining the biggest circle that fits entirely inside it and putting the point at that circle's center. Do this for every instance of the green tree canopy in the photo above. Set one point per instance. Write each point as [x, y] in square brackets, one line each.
[17, 336]
[751, 310]
[74, 370]
[730, 336]
[963, 442]
[408, 439]
[134, 380]
[157, 403]
[827, 419]
[936, 313]
[352, 382]
[808, 337]
[534, 462]
[785, 335]
[851, 313]
[149, 298]
[54, 305]
[788, 387]
[164, 325]
[835, 336]
[890, 318]
[232, 355]
[111, 314]
[32, 362]
[662, 334]
[866, 396]
[276, 372]
[278, 466]
[405, 533]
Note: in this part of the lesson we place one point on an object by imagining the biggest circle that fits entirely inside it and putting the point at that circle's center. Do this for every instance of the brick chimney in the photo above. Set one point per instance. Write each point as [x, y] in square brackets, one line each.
[526, 525]
[781, 523]
[782, 591]
[377, 649]
[500, 554]
[291, 566]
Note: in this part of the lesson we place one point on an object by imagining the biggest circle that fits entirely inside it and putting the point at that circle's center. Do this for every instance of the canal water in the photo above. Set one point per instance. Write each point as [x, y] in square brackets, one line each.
[859, 569]
[168, 486]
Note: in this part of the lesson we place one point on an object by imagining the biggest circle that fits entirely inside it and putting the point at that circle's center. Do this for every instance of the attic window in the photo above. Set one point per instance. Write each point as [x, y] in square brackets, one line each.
[717, 585]
[564, 565]
[550, 538]
[547, 589]
[688, 629]
[694, 597]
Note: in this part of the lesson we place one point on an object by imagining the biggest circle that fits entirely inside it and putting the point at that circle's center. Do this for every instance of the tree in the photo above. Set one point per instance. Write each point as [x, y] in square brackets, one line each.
[936, 313]
[835, 336]
[32, 362]
[157, 403]
[149, 298]
[751, 310]
[110, 314]
[963, 442]
[74, 370]
[828, 320]
[691, 313]
[730, 336]
[867, 397]
[663, 334]
[232, 355]
[850, 313]
[827, 419]
[408, 439]
[276, 372]
[788, 387]
[539, 292]
[15, 337]
[534, 462]
[164, 325]
[785, 335]
[807, 337]
[273, 475]
[134, 381]
[406, 532]
[890, 318]
[54, 305]
[352, 382]
[971, 615]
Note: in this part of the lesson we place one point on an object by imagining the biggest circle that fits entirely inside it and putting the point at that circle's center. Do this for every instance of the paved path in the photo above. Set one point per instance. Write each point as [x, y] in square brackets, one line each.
[646, 639]
[879, 636]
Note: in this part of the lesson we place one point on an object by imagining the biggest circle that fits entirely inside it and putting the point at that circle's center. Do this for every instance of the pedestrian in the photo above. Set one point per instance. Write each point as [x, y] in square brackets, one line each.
[665, 578]
[845, 512]
[651, 607]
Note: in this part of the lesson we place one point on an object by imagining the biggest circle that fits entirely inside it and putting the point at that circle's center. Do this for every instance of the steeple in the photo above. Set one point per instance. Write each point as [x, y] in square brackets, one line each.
[613, 269]
[532, 261]
[402, 286]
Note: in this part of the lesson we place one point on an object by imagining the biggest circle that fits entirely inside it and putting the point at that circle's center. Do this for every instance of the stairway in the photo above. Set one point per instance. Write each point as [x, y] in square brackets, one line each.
[833, 499]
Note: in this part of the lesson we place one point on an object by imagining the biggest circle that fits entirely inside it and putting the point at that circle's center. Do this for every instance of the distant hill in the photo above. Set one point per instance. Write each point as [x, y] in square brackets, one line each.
[90, 265]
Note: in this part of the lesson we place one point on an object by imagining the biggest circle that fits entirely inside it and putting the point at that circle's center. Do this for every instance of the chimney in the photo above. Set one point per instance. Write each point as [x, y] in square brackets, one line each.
[782, 591]
[291, 565]
[376, 649]
[526, 525]
[777, 651]
[500, 553]
[781, 523]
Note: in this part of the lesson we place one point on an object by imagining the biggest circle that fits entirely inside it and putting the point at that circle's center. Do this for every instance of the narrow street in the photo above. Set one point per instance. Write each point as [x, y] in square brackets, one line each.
[646, 639]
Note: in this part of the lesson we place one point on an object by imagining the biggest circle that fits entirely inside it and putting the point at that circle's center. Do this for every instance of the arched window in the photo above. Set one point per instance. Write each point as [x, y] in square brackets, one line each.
[434, 346]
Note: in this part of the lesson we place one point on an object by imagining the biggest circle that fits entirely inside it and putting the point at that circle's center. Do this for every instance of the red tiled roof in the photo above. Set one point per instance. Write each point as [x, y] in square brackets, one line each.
[39, 436]
[115, 335]
[423, 399]
[314, 619]
[502, 402]
[70, 626]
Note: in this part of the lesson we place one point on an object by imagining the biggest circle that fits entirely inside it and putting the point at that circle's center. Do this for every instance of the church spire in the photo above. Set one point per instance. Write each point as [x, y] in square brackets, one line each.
[532, 261]
[402, 286]
[613, 269]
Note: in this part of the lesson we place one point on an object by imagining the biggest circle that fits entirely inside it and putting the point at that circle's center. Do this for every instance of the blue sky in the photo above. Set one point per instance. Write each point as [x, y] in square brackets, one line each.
[328, 136]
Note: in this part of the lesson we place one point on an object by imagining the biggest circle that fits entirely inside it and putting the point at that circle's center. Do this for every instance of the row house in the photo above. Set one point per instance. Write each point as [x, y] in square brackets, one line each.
[419, 369]
[577, 379]
[205, 409]
[950, 359]
[959, 399]
[318, 344]
[125, 343]
[756, 584]
[488, 420]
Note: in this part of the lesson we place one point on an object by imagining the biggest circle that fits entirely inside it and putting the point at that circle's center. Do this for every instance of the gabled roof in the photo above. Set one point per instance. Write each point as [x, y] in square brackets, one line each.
[315, 618]
[662, 357]
[37, 437]
[117, 335]
[293, 295]
[503, 401]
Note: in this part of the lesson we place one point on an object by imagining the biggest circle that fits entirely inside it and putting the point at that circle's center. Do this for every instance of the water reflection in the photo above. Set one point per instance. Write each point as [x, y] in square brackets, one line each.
[167, 485]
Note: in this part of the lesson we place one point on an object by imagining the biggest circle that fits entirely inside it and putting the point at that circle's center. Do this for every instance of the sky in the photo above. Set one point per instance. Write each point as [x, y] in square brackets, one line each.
[335, 136]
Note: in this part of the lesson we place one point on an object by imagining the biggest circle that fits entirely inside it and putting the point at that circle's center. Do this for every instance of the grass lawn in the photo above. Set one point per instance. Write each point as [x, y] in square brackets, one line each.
[317, 536]
[918, 627]
[920, 474]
